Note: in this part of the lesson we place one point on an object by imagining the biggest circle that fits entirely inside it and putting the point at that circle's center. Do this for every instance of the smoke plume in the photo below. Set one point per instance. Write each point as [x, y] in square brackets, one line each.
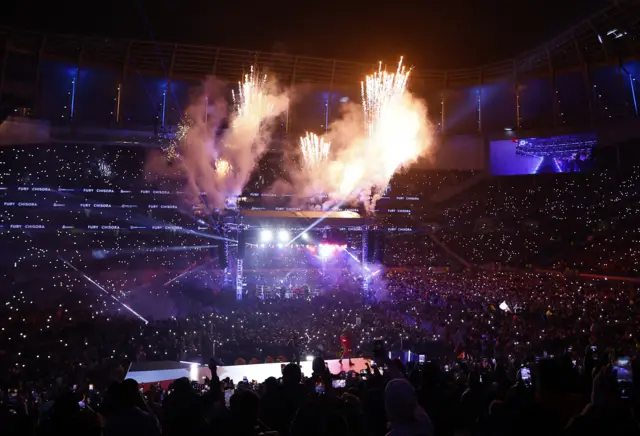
[219, 164]
[369, 143]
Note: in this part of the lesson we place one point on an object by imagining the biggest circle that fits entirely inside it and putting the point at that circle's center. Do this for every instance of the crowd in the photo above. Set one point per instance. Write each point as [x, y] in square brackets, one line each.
[554, 221]
[476, 331]
[582, 221]
[495, 347]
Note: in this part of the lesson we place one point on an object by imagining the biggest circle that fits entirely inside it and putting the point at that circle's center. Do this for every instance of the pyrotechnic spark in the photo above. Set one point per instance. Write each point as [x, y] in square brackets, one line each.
[105, 169]
[251, 102]
[379, 90]
[183, 129]
[223, 167]
[172, 150]
[396, 133]
[314, 150]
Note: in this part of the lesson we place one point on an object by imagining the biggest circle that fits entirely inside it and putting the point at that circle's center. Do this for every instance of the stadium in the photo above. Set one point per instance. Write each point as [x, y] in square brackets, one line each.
[461, 246]
[81, 116]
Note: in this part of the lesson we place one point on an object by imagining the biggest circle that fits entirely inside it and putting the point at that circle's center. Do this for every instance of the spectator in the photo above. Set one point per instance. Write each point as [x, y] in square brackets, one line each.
[406, 416]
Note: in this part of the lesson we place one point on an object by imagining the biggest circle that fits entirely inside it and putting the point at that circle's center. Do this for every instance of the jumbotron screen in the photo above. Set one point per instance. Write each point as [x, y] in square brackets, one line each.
[556, 154]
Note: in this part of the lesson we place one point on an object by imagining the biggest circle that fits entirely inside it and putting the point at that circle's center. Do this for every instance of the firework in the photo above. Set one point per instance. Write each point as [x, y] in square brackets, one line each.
[395, 134]
[380, 90]
[395, 127]
[183, 129]
[179, 141]
[251, 101]
[105, 169]
[172, 150]
[314, 150]
[223, 167]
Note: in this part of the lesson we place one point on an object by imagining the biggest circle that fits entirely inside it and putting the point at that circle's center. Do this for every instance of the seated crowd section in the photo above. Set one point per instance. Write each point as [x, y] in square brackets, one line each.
[547, 221]
[483, 284]
[66, 348]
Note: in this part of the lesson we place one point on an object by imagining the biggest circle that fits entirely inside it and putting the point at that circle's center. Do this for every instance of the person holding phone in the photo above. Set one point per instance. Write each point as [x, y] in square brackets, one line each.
[607, 412]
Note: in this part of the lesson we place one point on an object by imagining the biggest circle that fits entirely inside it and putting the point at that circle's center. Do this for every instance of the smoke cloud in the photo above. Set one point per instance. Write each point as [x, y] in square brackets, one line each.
[364, 159]
[369, 142]
[218, 161]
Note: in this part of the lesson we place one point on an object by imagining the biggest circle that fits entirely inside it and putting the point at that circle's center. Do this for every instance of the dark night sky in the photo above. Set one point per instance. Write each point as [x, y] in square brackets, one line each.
[430, 33]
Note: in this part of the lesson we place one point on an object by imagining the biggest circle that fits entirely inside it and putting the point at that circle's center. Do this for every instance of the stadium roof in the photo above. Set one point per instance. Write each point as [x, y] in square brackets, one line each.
[607, 37]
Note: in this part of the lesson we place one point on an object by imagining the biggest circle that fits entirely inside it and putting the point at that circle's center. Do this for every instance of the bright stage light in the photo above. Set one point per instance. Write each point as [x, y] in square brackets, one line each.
[310, 358]
[325, 250]
[305, 236]
[284, 236]
[266, 236]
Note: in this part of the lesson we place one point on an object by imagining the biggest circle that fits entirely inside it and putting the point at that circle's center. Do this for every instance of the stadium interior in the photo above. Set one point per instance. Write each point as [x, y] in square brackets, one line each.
[80, 117]
[534, 168]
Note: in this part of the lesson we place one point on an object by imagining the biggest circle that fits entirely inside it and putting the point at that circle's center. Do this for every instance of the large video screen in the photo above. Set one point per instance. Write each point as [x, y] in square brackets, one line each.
[556, 154]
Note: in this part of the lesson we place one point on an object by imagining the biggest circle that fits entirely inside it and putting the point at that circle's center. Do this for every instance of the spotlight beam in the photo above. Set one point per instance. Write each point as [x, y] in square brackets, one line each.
[135, 251]
[318, 221]
[356, 259]
[193, 267]
[97, 285]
